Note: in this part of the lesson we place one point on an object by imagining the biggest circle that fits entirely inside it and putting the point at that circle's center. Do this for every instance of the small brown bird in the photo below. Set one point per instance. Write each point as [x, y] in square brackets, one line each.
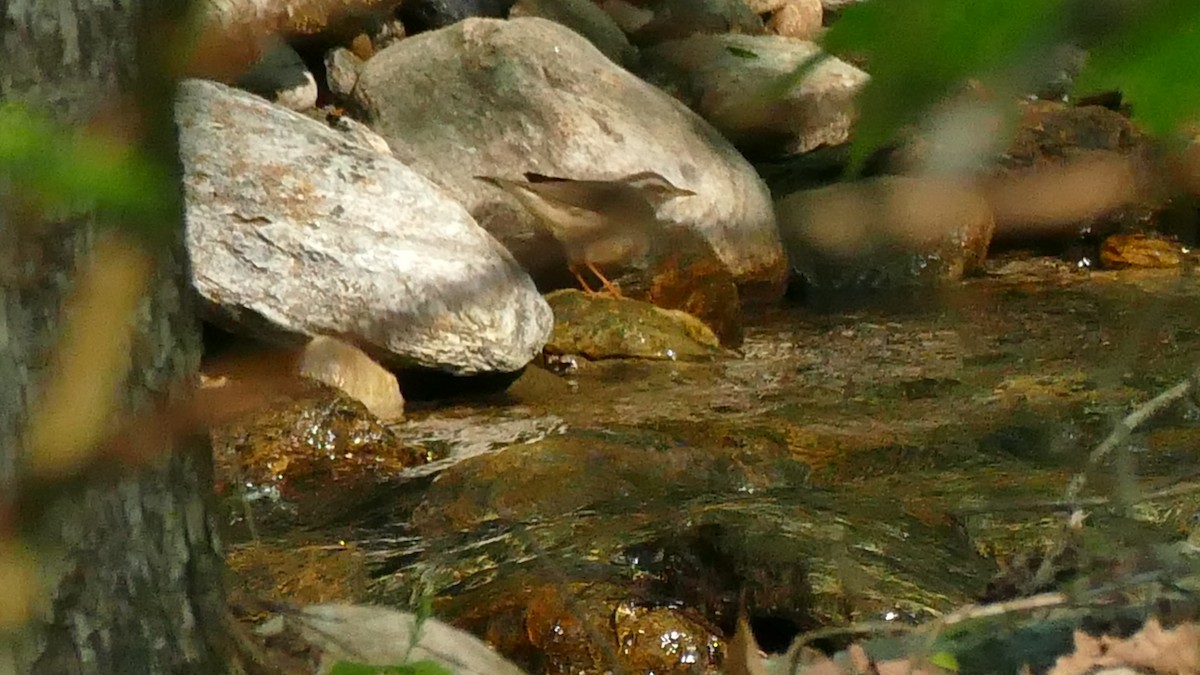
[598, 222]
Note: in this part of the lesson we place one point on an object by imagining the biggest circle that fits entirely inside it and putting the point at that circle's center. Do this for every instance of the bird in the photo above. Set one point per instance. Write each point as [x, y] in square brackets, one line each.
[598, 222]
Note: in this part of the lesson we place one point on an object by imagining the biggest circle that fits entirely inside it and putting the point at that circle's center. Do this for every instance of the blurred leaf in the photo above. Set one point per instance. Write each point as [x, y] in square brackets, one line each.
[945, 661]
[65, 172]
[1152, 61]
[414, 668]
[918, 51]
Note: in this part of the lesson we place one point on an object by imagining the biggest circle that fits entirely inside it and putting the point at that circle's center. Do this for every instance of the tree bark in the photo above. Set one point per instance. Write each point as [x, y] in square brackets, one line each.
[132, 567]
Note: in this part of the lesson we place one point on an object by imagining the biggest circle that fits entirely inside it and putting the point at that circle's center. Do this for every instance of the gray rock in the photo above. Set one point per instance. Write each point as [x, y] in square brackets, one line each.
[296, 230]
[677, 19]
[732, 81]
[488, 97]
[341, 70]
[281, 76]
[585, 18]
[361, 134]
[382, 637]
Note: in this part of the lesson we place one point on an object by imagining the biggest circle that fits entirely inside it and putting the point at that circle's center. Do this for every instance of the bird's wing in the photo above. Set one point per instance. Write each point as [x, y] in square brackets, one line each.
[595, 196]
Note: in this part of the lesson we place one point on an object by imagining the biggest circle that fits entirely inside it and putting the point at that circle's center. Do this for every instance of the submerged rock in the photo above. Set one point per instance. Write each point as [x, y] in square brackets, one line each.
[601, 327]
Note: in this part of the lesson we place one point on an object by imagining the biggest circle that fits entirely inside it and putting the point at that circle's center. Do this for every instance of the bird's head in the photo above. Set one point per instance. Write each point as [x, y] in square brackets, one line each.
[659, 190]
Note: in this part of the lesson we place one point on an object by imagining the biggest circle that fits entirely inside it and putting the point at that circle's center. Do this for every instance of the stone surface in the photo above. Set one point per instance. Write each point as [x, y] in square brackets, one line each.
[683, 272]
[347, 368]
[585, 18]
[341, 71]
[730, 81]
[295, 230]
[361, 134]
[280, 75]
[419, 16]
[602, 328]
[504, 97]
[1076, 172]
[885, 233]
[798, 19]
[1122, 251]
[761, 7]
[676, 19]
[314, 455]
[385, 637]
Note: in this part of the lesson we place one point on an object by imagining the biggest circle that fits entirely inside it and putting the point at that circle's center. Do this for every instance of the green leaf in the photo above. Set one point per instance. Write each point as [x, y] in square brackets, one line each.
[1152, 61]
[68, 173]
[944, 660]
[919, 51]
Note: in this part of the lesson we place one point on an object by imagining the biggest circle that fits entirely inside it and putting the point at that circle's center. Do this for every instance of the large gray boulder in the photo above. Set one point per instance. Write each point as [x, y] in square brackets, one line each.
[296, 230]
[733, 82]
[488, 97]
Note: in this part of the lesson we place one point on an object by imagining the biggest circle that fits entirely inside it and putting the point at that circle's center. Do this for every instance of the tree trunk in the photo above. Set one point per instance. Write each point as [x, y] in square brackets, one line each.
[131, 565]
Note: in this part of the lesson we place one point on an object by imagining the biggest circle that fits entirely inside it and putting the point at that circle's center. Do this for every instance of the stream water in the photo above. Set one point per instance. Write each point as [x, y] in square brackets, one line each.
[878, 463]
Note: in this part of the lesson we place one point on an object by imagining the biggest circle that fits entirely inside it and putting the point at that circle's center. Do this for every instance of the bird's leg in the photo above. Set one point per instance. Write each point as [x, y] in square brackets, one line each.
[579, 277]
[608, 285]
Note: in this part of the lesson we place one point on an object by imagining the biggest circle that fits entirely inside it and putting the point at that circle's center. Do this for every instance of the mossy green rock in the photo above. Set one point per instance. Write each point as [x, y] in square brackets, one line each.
[603, 328]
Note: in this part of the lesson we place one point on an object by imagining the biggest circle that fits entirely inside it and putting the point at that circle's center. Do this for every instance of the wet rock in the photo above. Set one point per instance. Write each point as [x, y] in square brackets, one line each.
[885, 233]
[1121, 251]
[294, 230]
[715, 568]
[679, 270]
[603, 328]
[503, 97]
[565, 473]
[347, 368]
[730, 81]
[419, 16]
[280, 76]
[676, 19]
[309, 574]
[314, 457]
[585, 18]
[553, 628]
[1053, 136]
[683, 272]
